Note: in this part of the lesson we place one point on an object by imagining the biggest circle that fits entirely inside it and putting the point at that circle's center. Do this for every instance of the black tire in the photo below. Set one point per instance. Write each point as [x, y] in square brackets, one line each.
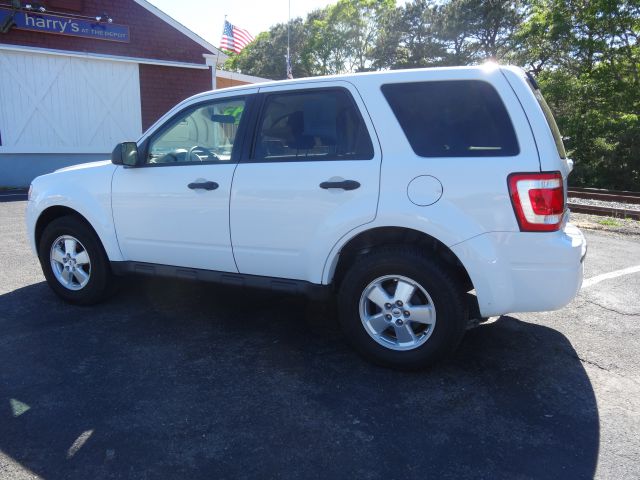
[433, 276]
[100, 284]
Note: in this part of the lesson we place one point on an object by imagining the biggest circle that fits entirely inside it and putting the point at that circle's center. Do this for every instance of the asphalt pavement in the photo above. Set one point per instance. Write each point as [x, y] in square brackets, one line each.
[182, 380]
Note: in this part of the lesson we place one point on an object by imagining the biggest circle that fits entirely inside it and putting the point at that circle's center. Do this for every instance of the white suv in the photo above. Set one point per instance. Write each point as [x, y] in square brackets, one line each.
[399, 191]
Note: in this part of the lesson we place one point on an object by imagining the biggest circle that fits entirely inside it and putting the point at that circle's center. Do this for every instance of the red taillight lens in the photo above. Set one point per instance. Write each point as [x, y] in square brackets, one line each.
[538, 200]
[547, 202]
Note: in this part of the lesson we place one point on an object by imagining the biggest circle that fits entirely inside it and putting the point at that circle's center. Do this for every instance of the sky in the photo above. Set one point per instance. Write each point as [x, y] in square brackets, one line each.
[206, 17]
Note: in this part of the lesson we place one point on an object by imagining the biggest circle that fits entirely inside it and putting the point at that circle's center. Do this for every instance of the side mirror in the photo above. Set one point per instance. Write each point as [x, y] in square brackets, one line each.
[125, 153]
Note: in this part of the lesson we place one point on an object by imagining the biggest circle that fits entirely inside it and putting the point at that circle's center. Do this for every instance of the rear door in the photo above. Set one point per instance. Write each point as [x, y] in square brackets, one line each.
[310, 176]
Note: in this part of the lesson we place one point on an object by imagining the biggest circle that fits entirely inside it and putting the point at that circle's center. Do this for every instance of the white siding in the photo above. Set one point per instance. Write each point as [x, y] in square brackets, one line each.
[56, 104]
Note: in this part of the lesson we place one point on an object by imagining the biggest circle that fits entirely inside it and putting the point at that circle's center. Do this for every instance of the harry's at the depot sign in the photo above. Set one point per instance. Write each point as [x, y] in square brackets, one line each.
[46, 23]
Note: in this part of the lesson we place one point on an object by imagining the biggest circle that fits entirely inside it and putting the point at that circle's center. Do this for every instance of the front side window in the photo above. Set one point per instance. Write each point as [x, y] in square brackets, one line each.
[461, 118]
[311, 125]
[205, 133]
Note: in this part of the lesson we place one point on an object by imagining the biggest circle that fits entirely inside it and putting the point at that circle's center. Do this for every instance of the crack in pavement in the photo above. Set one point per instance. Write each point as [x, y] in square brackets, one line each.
[627, 314]
[576, 356]
[614, 369]
[590, 362]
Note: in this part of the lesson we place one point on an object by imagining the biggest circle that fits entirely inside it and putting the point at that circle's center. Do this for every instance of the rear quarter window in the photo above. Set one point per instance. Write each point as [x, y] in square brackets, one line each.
[457, 118]
[548, 115]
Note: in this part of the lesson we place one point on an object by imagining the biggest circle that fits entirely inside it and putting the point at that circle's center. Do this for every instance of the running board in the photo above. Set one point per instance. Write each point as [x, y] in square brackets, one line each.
[283, 285]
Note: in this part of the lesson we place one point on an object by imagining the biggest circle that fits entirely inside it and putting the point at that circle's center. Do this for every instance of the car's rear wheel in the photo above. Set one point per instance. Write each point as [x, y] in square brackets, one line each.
[74, 262]
[401, 309]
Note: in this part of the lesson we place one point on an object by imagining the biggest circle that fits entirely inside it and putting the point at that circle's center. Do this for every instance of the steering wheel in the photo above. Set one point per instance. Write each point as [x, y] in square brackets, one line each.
[166, 157]
[203, 149]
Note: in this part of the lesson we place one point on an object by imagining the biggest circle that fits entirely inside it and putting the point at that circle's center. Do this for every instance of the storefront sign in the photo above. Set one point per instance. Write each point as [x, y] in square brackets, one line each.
[46, 23]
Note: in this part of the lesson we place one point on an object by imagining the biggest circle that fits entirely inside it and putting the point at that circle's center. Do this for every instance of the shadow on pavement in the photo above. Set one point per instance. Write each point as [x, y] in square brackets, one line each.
[184, 380]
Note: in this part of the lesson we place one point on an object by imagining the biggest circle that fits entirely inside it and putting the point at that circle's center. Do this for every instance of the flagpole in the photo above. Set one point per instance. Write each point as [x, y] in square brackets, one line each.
[215, 65]
[288, 66]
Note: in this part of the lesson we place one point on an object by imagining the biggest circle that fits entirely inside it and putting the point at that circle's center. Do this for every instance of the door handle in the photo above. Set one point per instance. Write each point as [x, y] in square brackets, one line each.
[344, 185]
[203, 185]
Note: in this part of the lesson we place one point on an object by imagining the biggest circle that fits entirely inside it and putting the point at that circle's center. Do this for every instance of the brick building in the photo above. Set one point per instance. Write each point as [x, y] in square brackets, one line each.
[79, 76]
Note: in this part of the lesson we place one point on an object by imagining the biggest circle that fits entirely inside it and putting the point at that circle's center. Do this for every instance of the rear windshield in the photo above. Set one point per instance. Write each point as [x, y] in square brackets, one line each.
[461, 118]
[549, 116]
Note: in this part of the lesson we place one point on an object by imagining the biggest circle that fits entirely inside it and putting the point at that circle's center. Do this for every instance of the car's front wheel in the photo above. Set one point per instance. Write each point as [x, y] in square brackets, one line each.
[74, 262]
[400, 309]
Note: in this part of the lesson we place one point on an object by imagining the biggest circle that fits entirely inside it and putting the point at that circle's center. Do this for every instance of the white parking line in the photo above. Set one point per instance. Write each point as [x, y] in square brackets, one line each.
[589, 282]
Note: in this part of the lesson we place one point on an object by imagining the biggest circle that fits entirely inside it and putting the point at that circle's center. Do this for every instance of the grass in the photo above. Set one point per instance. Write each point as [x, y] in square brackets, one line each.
[610, 222]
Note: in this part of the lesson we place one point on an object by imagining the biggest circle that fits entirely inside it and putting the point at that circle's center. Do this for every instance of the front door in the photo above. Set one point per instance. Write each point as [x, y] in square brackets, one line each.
[311, 177]
[174, 209]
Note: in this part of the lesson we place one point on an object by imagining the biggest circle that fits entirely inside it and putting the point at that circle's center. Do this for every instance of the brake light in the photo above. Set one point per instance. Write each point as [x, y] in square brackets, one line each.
[538, 200]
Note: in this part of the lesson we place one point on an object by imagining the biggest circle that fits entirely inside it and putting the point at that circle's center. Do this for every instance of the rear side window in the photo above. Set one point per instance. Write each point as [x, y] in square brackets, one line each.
[553, 126]
[461, 118]
[311, 125]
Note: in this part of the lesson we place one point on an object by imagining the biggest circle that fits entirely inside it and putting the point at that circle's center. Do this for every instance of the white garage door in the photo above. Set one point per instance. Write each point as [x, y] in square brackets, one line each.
[58, 104]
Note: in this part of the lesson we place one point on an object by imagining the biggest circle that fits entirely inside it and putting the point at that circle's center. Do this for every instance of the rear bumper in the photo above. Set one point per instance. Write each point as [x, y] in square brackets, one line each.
[524, 272]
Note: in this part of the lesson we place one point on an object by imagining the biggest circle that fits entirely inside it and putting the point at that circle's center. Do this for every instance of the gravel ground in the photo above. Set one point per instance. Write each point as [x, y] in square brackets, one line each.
[603, 203]
[619, 227]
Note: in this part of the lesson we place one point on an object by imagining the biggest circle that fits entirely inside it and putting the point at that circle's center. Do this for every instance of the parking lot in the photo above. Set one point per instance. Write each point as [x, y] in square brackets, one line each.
[182, 380]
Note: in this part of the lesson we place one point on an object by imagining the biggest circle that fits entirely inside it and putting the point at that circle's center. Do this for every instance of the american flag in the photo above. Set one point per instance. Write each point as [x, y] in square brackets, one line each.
[234, 39]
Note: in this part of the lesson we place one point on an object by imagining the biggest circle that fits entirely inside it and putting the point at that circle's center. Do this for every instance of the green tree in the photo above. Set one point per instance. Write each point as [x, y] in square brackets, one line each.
[458, 32]
[585, 54]
[265, 56]
[410, 38]
[359, 22]
[327, 46]
[337, 39]
[493, 25]
[587, 59]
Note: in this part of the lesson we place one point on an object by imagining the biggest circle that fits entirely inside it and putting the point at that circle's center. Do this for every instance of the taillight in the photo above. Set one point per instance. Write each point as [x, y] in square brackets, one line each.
[538, 200]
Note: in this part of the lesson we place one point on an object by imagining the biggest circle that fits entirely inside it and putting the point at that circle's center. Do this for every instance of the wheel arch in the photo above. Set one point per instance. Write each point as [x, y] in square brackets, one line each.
[54, 212]
[365, 241]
